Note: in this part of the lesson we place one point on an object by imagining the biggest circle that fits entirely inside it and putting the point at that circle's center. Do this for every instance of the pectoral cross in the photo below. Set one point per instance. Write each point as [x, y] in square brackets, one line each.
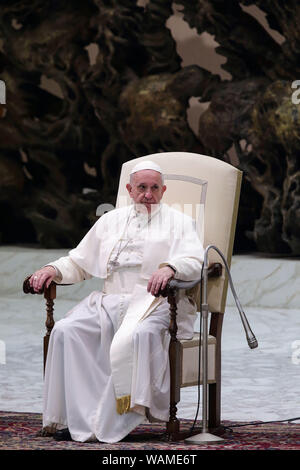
[114, 263]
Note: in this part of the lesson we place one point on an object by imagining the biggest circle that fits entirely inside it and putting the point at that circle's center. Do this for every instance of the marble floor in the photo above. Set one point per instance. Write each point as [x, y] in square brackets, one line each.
[260, 384]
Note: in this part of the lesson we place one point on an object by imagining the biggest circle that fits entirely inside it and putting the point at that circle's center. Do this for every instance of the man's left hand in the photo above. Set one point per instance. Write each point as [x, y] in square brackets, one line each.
[159, 279]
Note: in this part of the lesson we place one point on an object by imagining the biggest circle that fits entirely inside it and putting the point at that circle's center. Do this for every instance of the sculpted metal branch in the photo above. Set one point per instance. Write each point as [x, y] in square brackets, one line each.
[93, 84]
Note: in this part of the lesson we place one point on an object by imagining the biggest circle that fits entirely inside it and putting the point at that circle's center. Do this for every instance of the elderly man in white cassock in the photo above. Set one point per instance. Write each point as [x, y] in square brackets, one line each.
[107, 367]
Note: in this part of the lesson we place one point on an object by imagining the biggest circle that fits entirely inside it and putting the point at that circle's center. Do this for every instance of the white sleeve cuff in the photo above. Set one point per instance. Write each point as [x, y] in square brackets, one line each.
[58, 276]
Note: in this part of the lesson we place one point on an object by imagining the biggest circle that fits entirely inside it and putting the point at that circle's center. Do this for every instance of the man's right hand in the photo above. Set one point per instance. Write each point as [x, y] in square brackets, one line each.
[159, 279]
[42, 277]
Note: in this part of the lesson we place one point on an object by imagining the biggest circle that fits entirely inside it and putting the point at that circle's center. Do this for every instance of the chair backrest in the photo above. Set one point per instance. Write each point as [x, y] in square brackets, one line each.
[200, 178]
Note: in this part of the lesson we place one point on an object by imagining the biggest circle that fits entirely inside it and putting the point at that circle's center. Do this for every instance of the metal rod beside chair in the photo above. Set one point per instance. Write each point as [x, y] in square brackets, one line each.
[205, 437]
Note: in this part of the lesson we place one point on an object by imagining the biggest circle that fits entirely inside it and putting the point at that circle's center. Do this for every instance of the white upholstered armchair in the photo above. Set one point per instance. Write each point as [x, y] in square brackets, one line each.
[208, 190]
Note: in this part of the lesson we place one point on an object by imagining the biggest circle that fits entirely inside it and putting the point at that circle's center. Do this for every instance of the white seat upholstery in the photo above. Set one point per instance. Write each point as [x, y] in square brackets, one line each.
[190, 361]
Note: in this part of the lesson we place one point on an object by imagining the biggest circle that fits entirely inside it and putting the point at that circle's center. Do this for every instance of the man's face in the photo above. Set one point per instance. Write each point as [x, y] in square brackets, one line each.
[146, 188]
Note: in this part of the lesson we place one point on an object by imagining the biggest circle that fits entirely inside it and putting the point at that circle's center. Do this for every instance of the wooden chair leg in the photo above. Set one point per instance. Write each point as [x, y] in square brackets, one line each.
[214, 411]
[214, 390]
[175, 351]
[50, 295]
[173, 424]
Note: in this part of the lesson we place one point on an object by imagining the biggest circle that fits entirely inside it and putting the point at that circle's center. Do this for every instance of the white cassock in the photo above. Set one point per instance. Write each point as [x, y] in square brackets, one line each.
[107, 365]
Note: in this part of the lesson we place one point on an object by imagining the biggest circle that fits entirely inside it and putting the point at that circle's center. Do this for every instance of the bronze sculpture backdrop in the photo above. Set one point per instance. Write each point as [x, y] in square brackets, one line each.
[133, 100]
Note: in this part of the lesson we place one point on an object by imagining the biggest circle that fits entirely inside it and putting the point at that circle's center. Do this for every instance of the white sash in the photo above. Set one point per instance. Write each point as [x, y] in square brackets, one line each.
[142, 303]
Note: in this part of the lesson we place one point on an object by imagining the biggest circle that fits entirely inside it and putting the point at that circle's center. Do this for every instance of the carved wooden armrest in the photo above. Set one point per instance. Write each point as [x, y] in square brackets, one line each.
[214, 270]
[171, 289]
[50, 295]
[27, 289]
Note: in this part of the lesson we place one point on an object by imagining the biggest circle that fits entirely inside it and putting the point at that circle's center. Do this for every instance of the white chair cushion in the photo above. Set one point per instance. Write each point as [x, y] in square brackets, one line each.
[190, 361]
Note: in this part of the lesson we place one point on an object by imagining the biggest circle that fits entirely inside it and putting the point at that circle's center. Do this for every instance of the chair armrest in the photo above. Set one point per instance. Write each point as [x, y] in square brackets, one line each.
[214, 270]
[27, 289]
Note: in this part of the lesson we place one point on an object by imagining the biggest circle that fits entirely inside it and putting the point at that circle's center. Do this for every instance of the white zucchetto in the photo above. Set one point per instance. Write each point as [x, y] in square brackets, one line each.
[146, 165]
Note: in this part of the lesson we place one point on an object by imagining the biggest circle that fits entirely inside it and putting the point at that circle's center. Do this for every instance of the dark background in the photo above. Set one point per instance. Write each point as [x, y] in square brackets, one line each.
[91, 84]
